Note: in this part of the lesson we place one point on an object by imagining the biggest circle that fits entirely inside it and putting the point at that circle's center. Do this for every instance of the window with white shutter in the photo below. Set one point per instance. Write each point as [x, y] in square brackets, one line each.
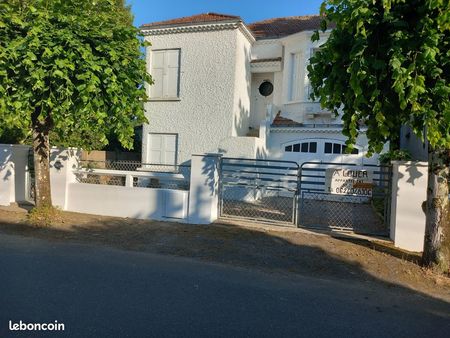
[309, 87]
[294, 85]
[165, 71]
[162, 149]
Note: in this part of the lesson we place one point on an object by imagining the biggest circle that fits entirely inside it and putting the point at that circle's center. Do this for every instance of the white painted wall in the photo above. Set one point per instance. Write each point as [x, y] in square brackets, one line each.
[258, 102]
[13, 173]
[197, 206]
[409, 191]
[204, 189]
[63, 162]
[298, 43]
[140, 203]
[279, 138]
[267, 49]
[409, 141]
[204, 115]
[6, 176]
[21, 173]
[242, 85]
[299, 109]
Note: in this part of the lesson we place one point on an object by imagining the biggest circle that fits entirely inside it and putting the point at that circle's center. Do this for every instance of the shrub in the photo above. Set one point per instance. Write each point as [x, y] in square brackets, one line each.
[395, 155]
[44, 216]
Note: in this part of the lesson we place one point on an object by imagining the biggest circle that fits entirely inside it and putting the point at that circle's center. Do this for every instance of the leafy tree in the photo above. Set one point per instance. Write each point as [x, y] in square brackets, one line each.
[71, 71]
[386, 64]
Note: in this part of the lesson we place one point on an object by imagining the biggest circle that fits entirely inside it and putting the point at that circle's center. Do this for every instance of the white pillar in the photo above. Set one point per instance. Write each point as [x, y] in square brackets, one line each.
[6, 175]
[22, 182]
[62, 164]
[203, 194]
[409, 191]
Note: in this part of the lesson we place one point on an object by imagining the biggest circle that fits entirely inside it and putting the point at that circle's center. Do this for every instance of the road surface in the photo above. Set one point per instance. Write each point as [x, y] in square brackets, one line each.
[104, 292]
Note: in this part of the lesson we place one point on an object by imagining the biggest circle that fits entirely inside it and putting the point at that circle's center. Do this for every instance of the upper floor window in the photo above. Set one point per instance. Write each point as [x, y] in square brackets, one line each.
[165, 71]
[294, 81]
[305, 147]
[313, 51]
[337, 148]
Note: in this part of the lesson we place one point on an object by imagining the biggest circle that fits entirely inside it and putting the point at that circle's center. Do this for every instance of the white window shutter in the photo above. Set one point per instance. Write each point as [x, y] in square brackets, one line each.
[295, 77]
[157, 73]
[162, 149]
[170, 147]
[155, 144]
[165, 71]
[172, 73]
[156, 89]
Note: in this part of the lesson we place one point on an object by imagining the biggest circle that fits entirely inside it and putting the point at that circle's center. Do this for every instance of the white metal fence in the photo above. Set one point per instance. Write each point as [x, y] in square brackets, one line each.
[134, 174]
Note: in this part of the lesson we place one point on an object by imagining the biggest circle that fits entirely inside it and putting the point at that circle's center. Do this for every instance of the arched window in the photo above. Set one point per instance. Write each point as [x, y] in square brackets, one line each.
[338, 148]
[304, 147]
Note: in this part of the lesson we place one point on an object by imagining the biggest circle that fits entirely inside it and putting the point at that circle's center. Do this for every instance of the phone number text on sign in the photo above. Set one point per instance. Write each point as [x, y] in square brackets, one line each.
[357, 182]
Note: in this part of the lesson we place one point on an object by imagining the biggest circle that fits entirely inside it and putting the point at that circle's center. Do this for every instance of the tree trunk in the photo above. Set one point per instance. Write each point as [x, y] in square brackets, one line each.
[41, 147]
[436, 253]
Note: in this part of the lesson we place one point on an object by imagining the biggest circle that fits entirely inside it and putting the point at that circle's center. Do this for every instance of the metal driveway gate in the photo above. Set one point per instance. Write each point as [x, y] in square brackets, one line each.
[259, 190]
[345, 196]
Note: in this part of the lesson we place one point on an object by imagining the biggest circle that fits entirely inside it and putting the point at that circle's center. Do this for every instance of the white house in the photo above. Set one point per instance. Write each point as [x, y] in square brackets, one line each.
[208, 70]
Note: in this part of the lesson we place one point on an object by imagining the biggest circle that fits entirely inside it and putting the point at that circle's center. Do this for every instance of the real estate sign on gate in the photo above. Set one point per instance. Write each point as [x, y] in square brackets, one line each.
[340, 181]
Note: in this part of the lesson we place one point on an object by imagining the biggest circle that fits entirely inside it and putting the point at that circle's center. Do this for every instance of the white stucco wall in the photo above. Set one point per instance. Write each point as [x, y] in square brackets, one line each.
[296, 110]
[6, 175]
[13, 173]
[216, 103]
[410, 142]
[278, 139]
[409, 191]
[141, 203]
[210, 98]
[267, 49]
[242, 86]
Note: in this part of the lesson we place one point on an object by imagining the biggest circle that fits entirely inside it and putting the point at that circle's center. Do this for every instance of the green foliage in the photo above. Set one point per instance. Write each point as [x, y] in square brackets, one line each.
[395, 155]
[76, 61]
[44, 216]
[386, 63]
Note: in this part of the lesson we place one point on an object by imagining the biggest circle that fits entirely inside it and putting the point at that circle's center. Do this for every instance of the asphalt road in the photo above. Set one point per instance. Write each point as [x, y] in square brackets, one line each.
[102, 292]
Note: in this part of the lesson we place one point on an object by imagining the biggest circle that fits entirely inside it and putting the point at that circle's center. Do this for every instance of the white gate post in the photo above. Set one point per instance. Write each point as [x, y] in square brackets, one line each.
[204, 189]
[62, 165]
[409, 191]
[6, 176]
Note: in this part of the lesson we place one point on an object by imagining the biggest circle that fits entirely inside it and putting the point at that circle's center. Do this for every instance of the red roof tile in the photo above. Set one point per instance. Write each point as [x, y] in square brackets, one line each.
[280, 121]
[280, 27]
[200, 18]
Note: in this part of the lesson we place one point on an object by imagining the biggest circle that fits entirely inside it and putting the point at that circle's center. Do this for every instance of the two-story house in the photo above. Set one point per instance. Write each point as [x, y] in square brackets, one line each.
[241, 90]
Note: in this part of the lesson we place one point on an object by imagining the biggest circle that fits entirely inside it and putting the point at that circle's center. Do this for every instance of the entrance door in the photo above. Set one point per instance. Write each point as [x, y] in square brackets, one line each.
[258, 104]
[162, 149]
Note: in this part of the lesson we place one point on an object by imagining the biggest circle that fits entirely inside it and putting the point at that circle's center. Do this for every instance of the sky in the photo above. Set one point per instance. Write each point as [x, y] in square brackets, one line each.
[146, 11]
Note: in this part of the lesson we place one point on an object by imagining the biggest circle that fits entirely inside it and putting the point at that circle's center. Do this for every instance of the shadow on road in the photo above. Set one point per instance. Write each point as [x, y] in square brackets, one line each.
[273, 252]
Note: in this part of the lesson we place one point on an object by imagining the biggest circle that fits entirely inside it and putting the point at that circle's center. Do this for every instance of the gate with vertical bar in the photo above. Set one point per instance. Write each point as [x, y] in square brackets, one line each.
[259, 190]
[345, 196]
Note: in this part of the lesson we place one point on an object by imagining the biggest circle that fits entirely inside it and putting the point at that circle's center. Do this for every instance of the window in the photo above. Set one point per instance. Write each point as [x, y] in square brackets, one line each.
[309, 88]
[162, 149]
[165, 71]
[337, 148]
[305, 147]
[294, 85]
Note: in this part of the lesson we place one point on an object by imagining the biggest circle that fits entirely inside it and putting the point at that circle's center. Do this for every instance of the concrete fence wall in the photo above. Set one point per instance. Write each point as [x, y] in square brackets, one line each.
[198, 205]
[13, 173]
[409, 191]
